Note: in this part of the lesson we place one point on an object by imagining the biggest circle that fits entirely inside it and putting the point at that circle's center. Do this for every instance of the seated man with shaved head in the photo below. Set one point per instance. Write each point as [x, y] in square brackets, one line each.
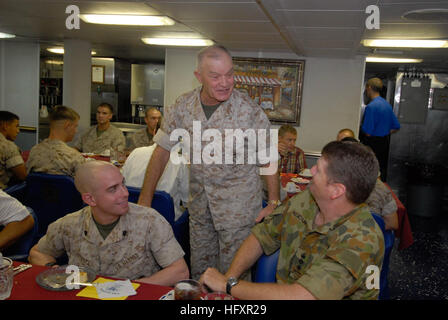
[112, 236]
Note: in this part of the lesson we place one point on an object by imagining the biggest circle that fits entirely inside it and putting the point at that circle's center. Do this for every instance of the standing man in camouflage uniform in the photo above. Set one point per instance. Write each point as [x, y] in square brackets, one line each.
[11, 161]
[112, 236]
[225, 199]
[53, 155]
[103, 137]
[143, 137]
[326, 235]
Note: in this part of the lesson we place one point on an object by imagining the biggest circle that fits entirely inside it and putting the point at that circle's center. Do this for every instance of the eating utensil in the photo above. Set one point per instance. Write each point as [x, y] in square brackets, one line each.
[21, 268]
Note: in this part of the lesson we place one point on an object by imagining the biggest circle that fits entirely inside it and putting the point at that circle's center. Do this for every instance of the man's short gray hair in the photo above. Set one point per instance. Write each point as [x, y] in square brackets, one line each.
[215, 51]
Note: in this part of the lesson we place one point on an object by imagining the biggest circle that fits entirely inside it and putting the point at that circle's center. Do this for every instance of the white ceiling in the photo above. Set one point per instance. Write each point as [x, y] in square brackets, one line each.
[309, 28]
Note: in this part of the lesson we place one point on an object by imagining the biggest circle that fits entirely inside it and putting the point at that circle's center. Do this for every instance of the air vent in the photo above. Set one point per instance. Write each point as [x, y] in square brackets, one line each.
[427, 15]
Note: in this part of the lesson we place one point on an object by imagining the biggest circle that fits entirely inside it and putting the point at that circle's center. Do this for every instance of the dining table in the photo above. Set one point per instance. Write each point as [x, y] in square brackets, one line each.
[403, 233]
[25, 287]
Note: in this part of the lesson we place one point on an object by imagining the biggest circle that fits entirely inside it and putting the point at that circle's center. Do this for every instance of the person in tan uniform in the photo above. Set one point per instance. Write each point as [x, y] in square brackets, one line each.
[12, 165]
[53, 155]
[112, 236]
[225, 199]
[143, 137]
[103, 137]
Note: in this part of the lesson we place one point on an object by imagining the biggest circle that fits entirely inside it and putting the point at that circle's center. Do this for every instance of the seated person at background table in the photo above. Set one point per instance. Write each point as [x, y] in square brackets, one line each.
[292, 158]
[143, 137]
[380, 200]
[383, 203]
[174, 180]
[103, 137]
[15, 220]
[326, 235]
[112, 236]
[12, 166]
[345, 133]
[53, 155]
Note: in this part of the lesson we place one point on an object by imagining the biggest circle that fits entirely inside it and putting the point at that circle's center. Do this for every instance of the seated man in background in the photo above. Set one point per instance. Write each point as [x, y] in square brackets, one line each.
[53, 155]
[380, 200]
[15, 220]
[292, 158]
[174, 180]
[345, 133]
[143, 137]
[112, 236]
[103, 137]
[12, 165]
[326, 235]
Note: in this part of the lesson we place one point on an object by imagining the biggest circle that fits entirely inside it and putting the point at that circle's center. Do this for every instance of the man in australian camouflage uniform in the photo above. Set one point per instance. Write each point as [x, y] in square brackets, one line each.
[103, 137]
[111, 236]
[326, 235]
[144, 137]
[11, 161]
[53, 155]
[225, 199]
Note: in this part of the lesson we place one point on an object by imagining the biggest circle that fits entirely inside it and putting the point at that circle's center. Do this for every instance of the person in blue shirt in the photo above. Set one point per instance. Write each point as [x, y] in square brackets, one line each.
[378, 123]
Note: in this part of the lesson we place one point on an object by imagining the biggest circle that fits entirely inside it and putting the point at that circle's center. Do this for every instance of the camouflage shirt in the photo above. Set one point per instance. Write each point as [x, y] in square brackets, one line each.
[139, 245]
[381, 200]
[140, 138]
[112, 138]
[54, 157]
[10, 157]
[330, 260]
[233, 190]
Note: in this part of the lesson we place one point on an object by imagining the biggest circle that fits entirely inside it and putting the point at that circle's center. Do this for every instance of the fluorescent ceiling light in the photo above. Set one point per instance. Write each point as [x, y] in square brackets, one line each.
[129, 20]
[6, 35]
[60, 50]
[193, 42]
[392, 60]
[54, 62]
[396, 43]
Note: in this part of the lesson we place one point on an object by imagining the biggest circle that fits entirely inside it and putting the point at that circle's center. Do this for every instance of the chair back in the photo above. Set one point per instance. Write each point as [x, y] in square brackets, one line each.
[389, 239]
[51, 197]
[161, 202]
[20, 250]
[17, 191]
[266, 268]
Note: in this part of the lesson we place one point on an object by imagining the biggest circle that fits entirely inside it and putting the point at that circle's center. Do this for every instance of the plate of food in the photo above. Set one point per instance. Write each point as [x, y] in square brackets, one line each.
[55, 278]
[306, 173]
[300, 180]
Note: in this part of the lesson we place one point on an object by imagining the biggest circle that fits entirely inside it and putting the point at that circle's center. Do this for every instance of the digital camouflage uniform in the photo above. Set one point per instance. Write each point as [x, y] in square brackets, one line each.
[10, 157]
[139, 245]
[112, 138]
[329, 261]
[54, 157]
[381, 200]
[141, 138]
[225, 199]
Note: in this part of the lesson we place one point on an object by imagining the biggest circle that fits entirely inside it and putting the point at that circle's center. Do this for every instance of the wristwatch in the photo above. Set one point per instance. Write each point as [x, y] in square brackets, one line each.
[231, 282]
[276, 203]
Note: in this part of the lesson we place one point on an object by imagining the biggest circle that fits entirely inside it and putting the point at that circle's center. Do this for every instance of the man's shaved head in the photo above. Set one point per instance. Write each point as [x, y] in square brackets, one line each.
[86, 176]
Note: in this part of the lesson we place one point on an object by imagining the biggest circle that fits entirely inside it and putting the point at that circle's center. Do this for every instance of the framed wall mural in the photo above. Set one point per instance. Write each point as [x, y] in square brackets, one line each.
[274, 84]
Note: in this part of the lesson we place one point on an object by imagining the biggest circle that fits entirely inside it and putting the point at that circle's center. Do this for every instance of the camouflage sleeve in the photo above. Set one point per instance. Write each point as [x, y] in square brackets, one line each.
[327, 279]
[120, 141]
[52, 242]
[13, 156]
[162, 243]
[269, 231]
[390, 205]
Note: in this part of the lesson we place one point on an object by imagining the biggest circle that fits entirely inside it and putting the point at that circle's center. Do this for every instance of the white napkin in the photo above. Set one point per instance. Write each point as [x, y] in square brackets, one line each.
[115, 289]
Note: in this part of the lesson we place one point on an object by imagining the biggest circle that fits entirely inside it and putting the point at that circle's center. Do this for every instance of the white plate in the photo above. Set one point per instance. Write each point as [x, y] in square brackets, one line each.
[300, 180]
[168, 296]
[306, 173]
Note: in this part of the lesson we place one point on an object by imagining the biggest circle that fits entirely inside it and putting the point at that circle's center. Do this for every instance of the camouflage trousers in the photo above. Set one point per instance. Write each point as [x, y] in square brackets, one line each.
[213, 248]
